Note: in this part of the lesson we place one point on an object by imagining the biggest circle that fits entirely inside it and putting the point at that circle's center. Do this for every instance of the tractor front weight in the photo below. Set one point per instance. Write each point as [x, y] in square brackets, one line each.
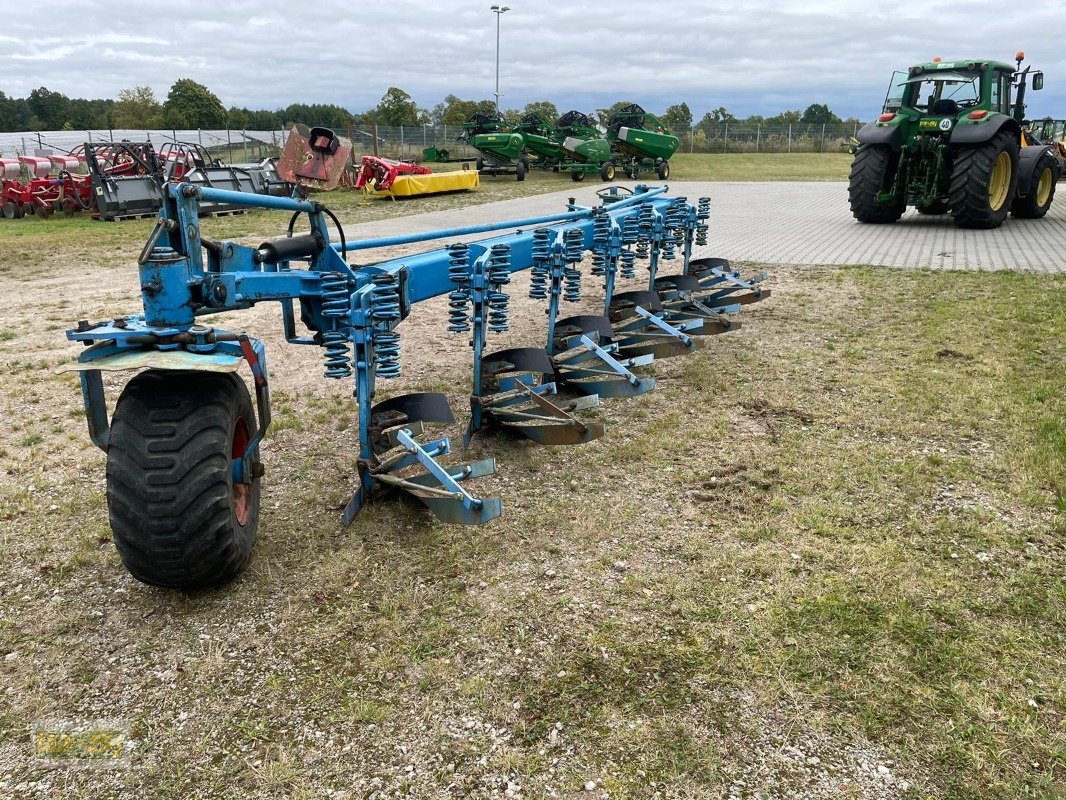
[184, 472]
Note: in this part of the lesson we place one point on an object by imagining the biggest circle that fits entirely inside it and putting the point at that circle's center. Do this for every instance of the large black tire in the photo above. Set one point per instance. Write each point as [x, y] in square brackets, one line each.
[177, 517]
[984, 179]
[607, 170]
[936, 207]
[520, 171]
[872, 172]
[1041, 191]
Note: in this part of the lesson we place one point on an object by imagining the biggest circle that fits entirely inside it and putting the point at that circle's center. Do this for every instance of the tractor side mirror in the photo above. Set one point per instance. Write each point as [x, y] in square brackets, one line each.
[1038, 81]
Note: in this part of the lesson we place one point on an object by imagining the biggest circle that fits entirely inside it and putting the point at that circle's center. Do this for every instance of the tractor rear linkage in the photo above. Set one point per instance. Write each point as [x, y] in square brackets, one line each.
[353, 313]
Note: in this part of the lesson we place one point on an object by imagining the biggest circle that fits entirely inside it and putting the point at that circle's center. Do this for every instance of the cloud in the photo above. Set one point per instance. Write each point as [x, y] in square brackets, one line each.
[756, 57]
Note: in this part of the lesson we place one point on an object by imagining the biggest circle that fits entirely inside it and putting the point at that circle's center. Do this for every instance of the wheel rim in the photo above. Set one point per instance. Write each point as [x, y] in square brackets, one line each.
[610, 172]
[242, 492]
[999, 181]
[1043, 189]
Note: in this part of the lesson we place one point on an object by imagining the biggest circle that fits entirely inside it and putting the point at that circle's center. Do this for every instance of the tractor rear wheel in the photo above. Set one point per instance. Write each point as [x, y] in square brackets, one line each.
[936, 207]
[607, 171]
[577, 176]
[872, 172]
[178, 518]
[663, 170]
[983, 182]
[1041, 192]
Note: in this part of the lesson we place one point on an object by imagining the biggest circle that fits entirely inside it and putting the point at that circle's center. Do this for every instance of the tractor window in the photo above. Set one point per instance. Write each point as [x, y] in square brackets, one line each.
[963, 91]
[1005, 83]
[896, 90]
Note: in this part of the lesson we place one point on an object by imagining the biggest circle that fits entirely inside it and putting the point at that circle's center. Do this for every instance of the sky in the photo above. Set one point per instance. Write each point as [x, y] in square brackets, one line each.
[752, 57]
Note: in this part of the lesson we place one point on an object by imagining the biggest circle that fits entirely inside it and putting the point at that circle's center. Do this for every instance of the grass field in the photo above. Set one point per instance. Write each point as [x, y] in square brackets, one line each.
[824, 559]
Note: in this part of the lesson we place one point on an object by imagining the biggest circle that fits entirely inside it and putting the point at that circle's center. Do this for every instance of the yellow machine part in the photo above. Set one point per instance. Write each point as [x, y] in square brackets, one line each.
[458, 181]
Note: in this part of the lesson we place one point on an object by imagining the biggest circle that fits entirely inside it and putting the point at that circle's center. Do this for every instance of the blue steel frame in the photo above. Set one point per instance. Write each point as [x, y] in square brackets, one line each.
[352, 311]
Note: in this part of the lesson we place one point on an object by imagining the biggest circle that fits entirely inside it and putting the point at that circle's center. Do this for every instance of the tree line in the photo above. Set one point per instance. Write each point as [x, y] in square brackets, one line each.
[189, 104]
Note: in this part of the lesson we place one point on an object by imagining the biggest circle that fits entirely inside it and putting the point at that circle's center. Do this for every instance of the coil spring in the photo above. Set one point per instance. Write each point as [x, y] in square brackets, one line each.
[601, 228]
[669, 245]
[459, 264]
[628, 264]
[574, 241]
[571, 284]
[647, 218]
[538, 282]
[675, 213]
[703, 208]
[538, 277]
[642, 248]
[384, 298]
[387, 354]
[599, 262]
[540, 244]
[703, 213]
[338, 359]
[499, 271]
[335, 297]
[458, 313]
[499, 311]
[630, 229]
[336, 302]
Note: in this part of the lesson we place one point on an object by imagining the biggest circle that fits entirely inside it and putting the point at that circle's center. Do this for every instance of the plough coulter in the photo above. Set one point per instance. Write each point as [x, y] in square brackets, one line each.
[184, 472]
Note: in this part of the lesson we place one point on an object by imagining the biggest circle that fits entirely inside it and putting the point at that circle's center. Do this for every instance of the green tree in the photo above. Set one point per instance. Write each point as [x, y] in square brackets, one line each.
[137, 107]
[193, 105]
[678, 118]
[819, 114]
[397, 107]
[545, 109]
[786, 118]
[9, 115]
[51, 109]
[455, 111]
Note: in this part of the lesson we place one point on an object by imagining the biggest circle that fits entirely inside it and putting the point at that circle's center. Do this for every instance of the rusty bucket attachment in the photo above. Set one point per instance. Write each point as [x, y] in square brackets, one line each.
[722, 286]
[403, 461]
[588, 360]
[315, 158]
[641, 329]
[513, 397]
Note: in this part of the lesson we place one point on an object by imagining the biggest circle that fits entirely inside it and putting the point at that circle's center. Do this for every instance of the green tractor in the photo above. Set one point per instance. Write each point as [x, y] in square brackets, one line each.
[952, 140]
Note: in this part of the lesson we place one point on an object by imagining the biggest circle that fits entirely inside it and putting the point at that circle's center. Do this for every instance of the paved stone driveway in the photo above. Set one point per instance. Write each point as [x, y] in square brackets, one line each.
[803, 223]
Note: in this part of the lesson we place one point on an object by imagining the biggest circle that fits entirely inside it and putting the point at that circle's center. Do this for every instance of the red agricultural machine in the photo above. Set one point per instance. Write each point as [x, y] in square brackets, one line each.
[43, 192]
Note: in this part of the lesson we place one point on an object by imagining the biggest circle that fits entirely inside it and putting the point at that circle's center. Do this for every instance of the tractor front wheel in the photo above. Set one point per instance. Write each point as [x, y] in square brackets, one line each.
[179, 519]
[1041, 192]
[983, 182]
[872, 173]
[607, 170]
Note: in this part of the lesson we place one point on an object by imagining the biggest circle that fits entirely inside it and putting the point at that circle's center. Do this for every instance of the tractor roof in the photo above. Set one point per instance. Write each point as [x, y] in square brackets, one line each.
[962, 63]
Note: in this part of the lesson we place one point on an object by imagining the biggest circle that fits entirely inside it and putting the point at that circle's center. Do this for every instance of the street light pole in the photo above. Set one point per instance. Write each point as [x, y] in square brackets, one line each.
[498, 11]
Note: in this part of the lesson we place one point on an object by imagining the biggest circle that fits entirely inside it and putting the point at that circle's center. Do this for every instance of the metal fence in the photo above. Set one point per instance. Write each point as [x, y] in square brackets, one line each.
[408, 142]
